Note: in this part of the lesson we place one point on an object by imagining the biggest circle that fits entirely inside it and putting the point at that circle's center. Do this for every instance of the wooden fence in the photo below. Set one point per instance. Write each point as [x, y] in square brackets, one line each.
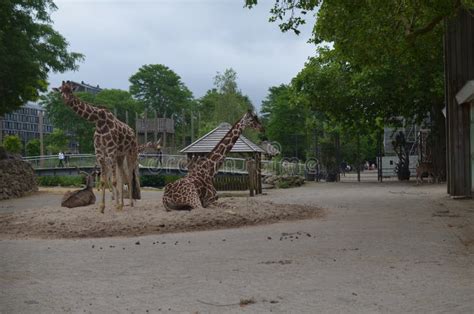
[231, 183]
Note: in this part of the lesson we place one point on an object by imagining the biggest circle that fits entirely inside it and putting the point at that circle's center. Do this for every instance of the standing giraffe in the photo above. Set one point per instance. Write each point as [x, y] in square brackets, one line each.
[115, 146]
[196, 190]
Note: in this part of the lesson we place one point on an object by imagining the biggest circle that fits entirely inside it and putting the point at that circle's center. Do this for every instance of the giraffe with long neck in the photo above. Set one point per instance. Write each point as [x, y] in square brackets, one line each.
[196, 189]
[115, 146]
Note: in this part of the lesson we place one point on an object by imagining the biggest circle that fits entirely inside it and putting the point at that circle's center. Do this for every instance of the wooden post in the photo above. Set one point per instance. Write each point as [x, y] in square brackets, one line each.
[126, 117]
[251, 169]
[379, 157]
[358, 157]
[145, 120]
[40, 129]
[184, 129]
[155, 127]
[165, 131]
[258, 173]
[458, 69]
[192, 127]
[338, 156]
[136, 125]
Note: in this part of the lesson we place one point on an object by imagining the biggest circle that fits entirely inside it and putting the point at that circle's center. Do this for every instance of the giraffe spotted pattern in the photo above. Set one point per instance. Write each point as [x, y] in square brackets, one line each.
[196, 189]
[115, 146]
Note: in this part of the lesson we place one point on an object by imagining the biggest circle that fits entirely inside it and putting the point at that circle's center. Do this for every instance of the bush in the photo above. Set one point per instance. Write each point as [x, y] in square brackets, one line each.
[157, 181]
[76, 181]
[33, 147]
[283, 184]
[12, 144]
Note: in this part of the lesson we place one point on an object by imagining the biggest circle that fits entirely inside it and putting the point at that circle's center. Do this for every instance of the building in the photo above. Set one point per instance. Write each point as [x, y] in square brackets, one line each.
[84, 87]
[25, 122]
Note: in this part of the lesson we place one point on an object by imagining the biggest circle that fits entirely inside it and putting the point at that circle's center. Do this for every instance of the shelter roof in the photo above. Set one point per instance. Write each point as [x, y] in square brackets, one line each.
[206, 143]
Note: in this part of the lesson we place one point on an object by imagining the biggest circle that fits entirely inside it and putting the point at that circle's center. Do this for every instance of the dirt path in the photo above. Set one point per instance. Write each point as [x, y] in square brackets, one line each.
[391, 248]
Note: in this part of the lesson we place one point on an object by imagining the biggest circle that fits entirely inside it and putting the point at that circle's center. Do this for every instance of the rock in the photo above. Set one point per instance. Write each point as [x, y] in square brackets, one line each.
[283, 181]
[17, 177]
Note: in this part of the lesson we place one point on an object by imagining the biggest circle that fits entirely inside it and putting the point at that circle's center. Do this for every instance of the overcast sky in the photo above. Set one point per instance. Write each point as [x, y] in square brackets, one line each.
[192, 37]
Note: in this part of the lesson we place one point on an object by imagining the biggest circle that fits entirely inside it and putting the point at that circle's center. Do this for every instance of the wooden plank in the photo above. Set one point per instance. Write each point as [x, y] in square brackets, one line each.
[459, 68]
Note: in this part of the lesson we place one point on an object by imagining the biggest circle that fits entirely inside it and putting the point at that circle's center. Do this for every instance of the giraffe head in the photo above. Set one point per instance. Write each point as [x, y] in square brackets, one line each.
[66, 88]
[250, 120]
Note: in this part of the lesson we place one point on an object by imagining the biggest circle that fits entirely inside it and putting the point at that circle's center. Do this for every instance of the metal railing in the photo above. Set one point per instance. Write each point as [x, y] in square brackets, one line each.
[153, 161]
[170, 162]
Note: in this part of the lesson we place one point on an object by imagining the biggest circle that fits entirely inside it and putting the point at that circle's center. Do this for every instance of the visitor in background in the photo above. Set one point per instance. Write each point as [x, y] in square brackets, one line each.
[61, 159]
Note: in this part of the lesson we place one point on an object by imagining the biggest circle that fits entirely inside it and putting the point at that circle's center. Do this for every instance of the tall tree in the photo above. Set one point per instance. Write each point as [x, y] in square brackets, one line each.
[285, 123]
[56, 141]
[159, 88]
[224, 103]
[29, 49]
[394, 50]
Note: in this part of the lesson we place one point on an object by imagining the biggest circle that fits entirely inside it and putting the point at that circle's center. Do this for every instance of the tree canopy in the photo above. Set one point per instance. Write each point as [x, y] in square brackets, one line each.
[159, 88]
[223, 103]
[29, 49]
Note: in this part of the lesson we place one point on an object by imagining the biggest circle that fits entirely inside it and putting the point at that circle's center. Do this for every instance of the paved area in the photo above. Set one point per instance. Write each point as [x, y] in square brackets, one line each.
[381, 248]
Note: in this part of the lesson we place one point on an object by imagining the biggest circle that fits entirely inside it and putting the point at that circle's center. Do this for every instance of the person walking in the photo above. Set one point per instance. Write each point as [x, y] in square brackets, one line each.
[61, 159]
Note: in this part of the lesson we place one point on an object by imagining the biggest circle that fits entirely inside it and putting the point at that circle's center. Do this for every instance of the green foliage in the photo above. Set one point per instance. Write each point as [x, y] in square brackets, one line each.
[119, 101]
[386, 61]
[33, 147]
[29, 49]
[72, 181]
[64, 118]
[224, 103]
[159, 88]
[284, 122]
[56, 141]
[157, 181]
[12, 144]
[283, 185]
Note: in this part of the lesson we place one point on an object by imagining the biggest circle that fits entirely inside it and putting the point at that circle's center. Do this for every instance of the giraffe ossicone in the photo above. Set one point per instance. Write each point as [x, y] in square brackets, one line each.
[196, 189]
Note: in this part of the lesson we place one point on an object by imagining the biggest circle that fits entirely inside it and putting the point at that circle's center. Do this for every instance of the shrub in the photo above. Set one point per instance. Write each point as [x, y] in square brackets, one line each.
[12, 144]
[157, 181]
[282, 184]
[33, 147]
[75, 181]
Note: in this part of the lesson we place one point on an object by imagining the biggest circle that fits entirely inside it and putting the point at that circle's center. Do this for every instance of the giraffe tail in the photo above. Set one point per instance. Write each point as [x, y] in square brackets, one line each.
[136, 185]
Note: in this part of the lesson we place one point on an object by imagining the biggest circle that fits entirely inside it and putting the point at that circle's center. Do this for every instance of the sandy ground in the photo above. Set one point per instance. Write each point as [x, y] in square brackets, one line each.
[380, 248]
[40, 216]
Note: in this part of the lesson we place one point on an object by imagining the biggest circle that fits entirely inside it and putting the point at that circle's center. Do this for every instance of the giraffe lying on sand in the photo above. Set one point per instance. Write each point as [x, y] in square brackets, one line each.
[115, 146]
[196, 190]
[81, 197]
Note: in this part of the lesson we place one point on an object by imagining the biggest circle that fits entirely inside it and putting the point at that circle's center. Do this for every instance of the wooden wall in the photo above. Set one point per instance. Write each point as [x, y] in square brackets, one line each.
[459, 68]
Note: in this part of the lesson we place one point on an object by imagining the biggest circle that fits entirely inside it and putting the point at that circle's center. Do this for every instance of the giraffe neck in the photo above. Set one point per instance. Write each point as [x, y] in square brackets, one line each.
[217, 155]
[83, 109]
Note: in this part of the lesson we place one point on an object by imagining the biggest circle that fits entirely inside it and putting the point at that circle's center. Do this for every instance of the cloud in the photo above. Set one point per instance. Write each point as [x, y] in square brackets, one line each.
[194, 38]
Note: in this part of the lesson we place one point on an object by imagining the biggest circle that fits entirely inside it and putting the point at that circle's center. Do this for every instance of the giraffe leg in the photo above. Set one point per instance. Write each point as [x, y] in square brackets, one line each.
[210, 196]
[181, 195]
[103, 180]
[129, 177]
[119, 187]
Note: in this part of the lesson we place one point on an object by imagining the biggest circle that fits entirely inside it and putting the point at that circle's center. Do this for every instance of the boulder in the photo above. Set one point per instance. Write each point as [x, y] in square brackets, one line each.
[17, 177]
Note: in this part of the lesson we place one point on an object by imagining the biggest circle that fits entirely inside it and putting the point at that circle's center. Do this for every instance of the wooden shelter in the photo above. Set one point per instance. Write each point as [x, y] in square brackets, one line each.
[459, 85]
[151, 129]
[242, 148]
